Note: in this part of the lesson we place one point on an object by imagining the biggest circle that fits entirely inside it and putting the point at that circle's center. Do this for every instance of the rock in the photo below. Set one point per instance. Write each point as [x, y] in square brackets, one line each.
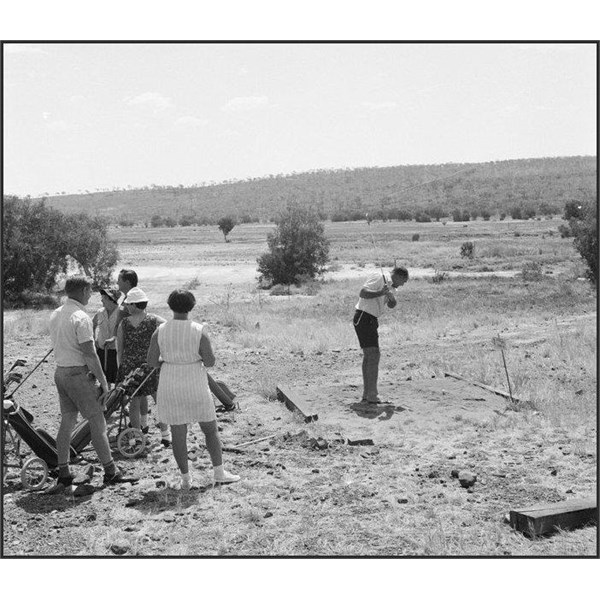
[84, 477]
[402, 500]
[467, 479]
[454, 473]
[268, 514]
[161, 483]
[118, 549]
[433, 475]
[554, 472]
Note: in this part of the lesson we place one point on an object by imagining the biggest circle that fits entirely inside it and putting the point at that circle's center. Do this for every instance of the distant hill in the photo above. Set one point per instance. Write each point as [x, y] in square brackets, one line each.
[544, 185]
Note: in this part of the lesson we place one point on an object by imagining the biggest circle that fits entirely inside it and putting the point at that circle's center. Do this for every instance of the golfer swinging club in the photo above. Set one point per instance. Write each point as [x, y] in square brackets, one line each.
[374, 294]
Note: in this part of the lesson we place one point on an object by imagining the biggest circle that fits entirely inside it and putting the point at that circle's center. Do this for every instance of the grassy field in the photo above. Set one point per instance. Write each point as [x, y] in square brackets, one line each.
[393, 498]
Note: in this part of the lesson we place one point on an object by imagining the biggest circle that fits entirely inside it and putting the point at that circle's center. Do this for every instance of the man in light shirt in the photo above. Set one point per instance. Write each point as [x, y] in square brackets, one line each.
[375, 295]
[77, 370]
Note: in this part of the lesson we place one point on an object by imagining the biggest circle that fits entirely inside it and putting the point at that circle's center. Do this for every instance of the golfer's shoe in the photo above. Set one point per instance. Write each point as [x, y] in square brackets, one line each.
[63, 485]
[227, 477]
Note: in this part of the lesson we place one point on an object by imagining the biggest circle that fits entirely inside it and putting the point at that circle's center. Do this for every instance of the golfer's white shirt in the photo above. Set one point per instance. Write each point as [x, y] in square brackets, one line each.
[70, 326]
[373, 306]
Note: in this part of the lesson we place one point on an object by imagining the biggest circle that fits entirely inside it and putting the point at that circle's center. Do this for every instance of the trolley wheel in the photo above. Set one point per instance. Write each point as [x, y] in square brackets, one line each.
[112, 432]
[131, 442]
[34, 474]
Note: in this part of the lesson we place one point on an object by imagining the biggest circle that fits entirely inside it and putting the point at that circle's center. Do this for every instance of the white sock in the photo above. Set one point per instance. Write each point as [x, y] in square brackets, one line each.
[186, 478]
[219, 471]
[166, 434]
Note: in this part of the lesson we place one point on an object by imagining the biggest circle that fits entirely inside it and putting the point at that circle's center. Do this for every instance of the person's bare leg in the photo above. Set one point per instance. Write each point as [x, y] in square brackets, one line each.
[180, 452]
[373, 356]
[63, 442]
[213, 445]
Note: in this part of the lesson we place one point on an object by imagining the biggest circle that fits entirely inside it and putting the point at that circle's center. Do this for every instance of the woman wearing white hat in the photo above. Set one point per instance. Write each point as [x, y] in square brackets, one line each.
[133, 340]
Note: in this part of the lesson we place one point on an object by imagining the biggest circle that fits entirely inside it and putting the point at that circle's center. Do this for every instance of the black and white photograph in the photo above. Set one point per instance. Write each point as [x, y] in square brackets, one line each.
[299, 298]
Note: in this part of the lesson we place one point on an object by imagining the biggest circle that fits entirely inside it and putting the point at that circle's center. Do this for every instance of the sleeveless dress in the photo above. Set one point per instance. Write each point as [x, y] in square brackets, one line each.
[183, 394]
[136, 341]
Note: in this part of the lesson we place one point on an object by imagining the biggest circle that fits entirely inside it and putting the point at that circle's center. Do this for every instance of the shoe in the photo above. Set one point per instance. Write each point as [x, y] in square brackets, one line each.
[165, 442]
[145, 430]
[231, 407]
[63, 485]
[378, 401]
[118, 477]
[227, 478]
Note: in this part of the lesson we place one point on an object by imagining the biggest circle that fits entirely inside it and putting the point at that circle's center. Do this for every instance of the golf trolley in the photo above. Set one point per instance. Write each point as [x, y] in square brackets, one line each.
[18, 426]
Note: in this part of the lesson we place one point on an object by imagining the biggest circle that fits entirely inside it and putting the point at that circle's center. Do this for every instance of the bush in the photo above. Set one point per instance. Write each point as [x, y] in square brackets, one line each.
[565, 231]
[516, 212]
[467, 250]
[416, 237]
[298, 248]
[585, 231]
[169, 222]
[422, 217]
[502, 216]
[529, 212]
[439, 277]
[485, 214]
[124, 222]
[39, 243]
[573, 210]
[156, 221]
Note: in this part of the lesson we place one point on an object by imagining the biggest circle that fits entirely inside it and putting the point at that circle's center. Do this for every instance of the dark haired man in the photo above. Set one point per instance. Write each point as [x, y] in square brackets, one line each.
[375, 294]
[77, 369]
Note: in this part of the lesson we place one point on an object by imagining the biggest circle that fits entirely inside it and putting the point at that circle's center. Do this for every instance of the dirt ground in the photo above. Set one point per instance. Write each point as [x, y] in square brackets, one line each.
[434, 427]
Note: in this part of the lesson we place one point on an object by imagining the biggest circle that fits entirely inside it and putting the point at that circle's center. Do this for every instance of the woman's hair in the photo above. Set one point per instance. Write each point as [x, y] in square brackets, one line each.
[75, 285]
[141, 305]
[129, 276]
[181, 301]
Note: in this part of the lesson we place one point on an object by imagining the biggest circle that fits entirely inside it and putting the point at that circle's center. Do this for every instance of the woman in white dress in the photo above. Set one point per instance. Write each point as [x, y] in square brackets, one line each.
[183, 351]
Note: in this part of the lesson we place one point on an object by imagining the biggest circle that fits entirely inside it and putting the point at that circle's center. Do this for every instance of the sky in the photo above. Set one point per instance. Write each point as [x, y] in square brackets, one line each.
[95, 116]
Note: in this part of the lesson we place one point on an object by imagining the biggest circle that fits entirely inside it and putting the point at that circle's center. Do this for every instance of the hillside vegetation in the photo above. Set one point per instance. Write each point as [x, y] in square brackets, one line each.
[401, 192]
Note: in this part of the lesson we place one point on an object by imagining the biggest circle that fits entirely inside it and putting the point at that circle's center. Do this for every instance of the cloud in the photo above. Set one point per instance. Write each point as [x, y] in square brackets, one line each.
[191, 122]
[246, 103]
[380, 105]
[23, 49]
[152, 100]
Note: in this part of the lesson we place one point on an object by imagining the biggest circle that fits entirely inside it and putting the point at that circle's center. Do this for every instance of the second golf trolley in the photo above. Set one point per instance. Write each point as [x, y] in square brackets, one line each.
[18, 425]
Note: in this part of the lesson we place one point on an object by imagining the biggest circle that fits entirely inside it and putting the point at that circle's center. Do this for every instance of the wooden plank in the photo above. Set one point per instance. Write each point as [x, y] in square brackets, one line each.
[483, 386]
[547, 518]
[294, 400]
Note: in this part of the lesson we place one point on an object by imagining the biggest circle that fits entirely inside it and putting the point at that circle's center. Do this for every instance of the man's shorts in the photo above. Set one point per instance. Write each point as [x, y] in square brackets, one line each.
[77, 392]
[366, 326]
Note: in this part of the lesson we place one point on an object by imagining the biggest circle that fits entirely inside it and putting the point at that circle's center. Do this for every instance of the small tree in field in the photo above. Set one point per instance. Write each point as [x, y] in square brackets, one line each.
[226, 224]
[298, 248]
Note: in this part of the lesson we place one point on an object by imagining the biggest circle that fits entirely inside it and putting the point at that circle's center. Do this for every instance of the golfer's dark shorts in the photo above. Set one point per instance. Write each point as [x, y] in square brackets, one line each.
[366, 326]
[108, 360]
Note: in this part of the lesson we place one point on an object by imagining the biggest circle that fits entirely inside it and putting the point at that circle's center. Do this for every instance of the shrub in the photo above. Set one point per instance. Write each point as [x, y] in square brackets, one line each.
[169, 222]
[502, 216]
[516, 212]
[297, 248]
[422, 217]
[573, 210]
[226, 224]
[467, 250]
[565, 231]
[416, 237]
[156, 221]
[529, 212]
[187, 220]
[485, 214]
[124, 222]
[585, 231]
[39, 243]
[439, 277]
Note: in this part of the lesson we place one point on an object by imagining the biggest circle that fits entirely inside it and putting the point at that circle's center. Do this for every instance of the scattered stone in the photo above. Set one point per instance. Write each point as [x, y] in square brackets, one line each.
[433, 475]
[316, 471]
[454, 473]
[118, 549]
[132, 502]
[467, 479]
[268, 514]
[168, 518]
[91, 517]
[451, 456]
[554, 472]
[318, 443]
[402, 500]
[161, 483]
[569, 492]
[131, 528]
[84, 477]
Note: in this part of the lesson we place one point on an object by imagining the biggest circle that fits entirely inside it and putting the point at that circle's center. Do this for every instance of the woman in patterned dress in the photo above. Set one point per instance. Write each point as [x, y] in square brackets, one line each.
[133, 340]
[183, 351]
